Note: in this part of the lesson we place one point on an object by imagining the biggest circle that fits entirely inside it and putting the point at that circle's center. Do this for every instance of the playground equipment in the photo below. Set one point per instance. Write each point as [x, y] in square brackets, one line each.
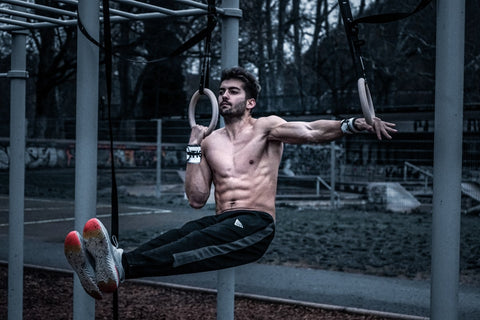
[447, 153]
[447, 143]
[86, 119]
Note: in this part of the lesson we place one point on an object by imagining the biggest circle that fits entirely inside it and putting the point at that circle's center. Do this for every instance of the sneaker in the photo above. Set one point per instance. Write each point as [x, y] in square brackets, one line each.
[108, 258]
[81, 263]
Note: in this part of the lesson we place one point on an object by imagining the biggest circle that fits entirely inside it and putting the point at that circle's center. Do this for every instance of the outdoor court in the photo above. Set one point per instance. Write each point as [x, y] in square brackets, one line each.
[51, 220]
[47, 222]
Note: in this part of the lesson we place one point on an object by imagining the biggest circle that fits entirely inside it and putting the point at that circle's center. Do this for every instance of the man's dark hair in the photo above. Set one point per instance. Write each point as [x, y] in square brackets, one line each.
[250, 83]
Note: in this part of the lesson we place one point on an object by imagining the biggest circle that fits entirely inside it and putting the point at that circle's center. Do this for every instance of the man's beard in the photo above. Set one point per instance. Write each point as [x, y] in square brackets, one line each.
[236, 110]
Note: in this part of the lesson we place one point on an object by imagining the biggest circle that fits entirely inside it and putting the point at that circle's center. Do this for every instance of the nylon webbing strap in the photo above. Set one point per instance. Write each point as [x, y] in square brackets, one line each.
[205, 70]
[107, 35]
[202, 34]
[390, 17]
[194, 40]
[87, 35]
[351, 29]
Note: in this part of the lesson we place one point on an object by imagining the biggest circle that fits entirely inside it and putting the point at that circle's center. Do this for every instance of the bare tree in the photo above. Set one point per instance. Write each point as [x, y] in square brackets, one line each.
[55, 64]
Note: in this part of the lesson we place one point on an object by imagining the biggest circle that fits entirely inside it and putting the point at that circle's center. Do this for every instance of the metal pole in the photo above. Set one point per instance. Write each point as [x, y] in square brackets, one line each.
[16, 196]
[447, 159]
[86, 139]
[230, 32]
[158, 187]
[332, 175]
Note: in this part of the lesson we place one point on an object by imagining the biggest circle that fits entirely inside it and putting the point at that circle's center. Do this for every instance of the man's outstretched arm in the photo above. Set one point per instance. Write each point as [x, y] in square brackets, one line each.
[321, 131]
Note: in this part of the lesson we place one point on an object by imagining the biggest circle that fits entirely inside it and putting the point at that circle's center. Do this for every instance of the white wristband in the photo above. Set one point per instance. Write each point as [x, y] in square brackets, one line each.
[348, 126]
[194, 153]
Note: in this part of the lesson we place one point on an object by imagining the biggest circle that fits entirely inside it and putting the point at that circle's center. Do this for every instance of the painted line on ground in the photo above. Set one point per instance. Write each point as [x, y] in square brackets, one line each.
[40, 209]
[125, 214]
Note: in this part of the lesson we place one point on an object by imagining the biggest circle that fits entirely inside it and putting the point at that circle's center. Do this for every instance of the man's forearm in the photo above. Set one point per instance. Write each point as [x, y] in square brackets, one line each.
[197, 184]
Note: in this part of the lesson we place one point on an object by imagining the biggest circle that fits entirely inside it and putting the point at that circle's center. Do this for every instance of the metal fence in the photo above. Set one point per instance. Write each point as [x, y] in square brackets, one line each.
[359, 160]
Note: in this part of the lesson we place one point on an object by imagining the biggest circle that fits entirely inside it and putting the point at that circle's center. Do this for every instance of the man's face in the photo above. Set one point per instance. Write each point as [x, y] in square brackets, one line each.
[232, 101]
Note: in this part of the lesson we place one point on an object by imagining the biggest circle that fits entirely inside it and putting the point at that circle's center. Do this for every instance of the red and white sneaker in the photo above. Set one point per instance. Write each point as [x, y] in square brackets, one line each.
[107, 257]
[79, 259]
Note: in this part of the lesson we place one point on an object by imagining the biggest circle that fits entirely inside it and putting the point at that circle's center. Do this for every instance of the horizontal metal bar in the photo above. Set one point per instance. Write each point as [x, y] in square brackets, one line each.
[147, 6]
[31, 16]
[120, 13]
[193, 4]
[22, 24]
[156, 12]
[30, 5]
[18, 74]
[15, 25]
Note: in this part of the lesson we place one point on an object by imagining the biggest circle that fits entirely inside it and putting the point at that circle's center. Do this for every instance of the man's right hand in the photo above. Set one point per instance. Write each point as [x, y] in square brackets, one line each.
[198, 134]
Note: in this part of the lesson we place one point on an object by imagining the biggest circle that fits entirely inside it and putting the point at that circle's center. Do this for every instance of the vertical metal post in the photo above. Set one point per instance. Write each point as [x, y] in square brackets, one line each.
[447, 159]
[86, 139]
[158, 186]
[332, 175]
[230, 28]
[230, 32]
[16, 196]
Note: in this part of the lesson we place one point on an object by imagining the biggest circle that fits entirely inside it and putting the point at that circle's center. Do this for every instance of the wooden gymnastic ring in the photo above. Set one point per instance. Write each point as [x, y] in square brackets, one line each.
[193, 104]
[365, 101]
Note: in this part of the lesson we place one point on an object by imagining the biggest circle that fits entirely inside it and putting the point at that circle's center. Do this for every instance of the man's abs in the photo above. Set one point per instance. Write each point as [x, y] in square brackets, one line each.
[250, 196]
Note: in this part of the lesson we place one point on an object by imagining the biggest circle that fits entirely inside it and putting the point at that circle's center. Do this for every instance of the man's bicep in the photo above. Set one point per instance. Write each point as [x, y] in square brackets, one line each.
[291, 132]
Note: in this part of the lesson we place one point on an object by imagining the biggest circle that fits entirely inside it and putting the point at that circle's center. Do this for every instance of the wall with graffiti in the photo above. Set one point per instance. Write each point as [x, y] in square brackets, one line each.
[61, 154]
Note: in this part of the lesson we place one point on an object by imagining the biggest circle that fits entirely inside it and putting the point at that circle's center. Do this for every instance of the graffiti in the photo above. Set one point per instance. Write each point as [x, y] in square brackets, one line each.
[309, 159]
[62, 154]
[40, 157]
[137, 156]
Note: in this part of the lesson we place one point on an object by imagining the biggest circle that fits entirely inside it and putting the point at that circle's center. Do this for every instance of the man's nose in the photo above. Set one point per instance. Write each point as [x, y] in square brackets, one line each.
[224, 95]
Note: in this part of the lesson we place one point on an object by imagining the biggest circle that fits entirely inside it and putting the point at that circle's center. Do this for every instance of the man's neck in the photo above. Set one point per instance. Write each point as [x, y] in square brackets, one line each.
[234, 126]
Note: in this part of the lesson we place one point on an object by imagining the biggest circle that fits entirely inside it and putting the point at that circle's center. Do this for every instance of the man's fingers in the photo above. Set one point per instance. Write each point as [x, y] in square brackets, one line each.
[378, 130]
[390, 124]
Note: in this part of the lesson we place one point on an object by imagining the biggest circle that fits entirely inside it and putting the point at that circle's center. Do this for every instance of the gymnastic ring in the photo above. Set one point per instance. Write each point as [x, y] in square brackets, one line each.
[365, 101]
[193, 104]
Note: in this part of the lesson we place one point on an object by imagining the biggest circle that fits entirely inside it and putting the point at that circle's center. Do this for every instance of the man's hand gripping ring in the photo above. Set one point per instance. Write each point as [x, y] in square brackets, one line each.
[366, 101]
[193, 104]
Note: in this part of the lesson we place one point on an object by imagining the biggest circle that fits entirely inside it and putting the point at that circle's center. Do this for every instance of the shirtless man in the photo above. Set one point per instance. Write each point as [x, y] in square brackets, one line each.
[242, 160]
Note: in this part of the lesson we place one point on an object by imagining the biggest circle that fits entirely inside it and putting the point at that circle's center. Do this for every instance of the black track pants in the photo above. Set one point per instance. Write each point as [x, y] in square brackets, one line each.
[210, 243]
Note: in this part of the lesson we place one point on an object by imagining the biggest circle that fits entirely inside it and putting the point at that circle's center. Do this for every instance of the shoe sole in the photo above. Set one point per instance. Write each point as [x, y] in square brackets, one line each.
[76, 256]
[98, 244]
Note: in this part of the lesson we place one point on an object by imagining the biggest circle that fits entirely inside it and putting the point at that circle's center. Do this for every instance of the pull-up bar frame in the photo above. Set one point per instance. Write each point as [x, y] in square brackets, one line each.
[38, 21]
[19, 20]
[448, 114]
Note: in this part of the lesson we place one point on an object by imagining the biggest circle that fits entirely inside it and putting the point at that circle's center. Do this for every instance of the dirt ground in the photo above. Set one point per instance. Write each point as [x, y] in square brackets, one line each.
[43, 300]
[348, 239]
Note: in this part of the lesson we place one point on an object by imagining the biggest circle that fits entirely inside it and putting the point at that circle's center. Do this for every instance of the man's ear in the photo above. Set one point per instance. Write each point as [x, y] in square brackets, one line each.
[251, 103]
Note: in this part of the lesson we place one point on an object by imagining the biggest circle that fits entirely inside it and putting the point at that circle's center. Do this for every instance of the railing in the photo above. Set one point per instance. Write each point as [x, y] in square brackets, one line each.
[426, 173]
[335, 196]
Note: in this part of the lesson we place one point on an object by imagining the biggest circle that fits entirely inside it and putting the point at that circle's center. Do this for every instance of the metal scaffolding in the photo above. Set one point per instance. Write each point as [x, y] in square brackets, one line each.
[20, 18]
[34, 16]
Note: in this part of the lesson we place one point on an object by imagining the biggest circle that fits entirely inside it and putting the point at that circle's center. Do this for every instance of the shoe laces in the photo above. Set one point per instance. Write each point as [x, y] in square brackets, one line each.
[115, 241]
[117, 253]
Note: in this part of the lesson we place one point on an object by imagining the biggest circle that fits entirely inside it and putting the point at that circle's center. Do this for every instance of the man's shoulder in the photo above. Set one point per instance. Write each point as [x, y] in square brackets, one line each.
[270, 121]
[215, 134]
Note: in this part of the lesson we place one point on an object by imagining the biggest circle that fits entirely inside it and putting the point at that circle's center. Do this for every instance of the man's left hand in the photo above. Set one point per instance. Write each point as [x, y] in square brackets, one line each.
[379, 127]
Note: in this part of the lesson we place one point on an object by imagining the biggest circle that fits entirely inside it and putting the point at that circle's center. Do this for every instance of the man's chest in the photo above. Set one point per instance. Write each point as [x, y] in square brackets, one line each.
[237, 157]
